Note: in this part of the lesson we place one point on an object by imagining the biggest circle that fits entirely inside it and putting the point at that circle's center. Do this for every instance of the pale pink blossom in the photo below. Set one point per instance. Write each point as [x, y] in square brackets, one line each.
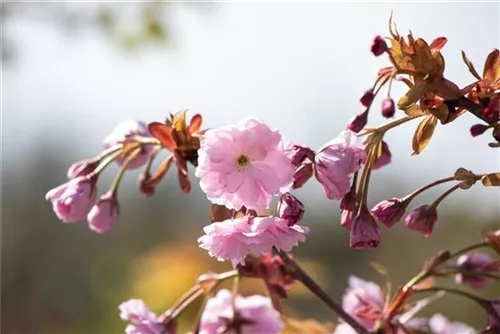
[141, 319]
[72, 200]
[256, 315]
[234, 239]
[364, 301]
[127, 130]
[439, 324]
[336, 162]
[103, 215]
[244, 165]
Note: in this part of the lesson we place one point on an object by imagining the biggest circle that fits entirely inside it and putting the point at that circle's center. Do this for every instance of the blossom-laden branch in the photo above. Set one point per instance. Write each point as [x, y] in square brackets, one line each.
[242, 168]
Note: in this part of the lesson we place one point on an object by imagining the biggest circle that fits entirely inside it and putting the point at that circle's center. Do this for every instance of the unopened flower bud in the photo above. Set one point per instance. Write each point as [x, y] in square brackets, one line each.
[146, 188]
[476, 263]
[125, 131]
[347, 207]
[103, 215]
[290, 208]
[302, 175]
[493, 312]
[496, 134]
[389, 212]
[82, 168]
[367, 97]
[478, 129]
[72, 200]
[358, 122]
[378, 46]
[422, 219]
[384, 159]
[388, 108]
[364, 231]
[299, 153]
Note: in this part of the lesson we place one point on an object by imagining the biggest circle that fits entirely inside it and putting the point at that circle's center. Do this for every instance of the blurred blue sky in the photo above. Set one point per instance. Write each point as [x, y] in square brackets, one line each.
[299, 66]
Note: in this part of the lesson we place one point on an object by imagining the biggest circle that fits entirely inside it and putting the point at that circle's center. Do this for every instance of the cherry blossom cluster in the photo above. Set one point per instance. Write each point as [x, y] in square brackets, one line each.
[244, 168]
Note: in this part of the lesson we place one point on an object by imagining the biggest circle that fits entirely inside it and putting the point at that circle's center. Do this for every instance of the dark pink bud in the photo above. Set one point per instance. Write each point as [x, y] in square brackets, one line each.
[496, 134]
[478, 129]
[379, 46]
[358, 122]
[302, 175]
[103, 215]
[299, 153]
[475, 263]
[364, 231]
[146, 188]
[493, 309]
[422, 219]
[347, 207]
[367, 98]
[388, 108]
[82, 168]
[290, 208]
[389, 212]
[384, 159]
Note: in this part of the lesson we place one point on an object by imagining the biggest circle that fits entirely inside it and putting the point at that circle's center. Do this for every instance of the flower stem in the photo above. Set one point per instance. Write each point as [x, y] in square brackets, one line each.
[300, 275]
[390, 125]
[444, 195]
[468, 249]
[428, 186]
[116, 182]
[457, 292]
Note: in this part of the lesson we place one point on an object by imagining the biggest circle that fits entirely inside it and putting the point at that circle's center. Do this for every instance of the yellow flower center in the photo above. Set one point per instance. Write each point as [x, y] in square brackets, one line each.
[242, 161]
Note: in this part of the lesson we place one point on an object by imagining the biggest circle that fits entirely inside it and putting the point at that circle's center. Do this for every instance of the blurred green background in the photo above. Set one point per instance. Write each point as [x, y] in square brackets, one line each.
[71, 71]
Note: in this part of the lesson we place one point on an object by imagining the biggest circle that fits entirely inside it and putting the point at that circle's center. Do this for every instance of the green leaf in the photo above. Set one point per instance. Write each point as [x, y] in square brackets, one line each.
[379, 268]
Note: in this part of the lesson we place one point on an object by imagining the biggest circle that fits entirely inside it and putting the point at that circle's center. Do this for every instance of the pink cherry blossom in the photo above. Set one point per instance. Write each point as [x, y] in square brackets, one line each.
[256, 315]
[363, 300]
[336, 162]
[103, 215]
[72, 200]
[244, 165]
[126, 130]
[234, 239]
[141, 319]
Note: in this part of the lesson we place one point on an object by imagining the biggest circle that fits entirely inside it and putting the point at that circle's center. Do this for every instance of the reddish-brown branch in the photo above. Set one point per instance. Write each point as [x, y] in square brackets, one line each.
[300, 275]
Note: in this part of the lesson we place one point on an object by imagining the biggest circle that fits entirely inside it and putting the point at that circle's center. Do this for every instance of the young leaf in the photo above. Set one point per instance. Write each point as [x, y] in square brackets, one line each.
[379, 268]
[491, 70]
[491, 180]
[413, 95]
[423, 134]
[159, 174]
[472, 70]
[438, 43]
